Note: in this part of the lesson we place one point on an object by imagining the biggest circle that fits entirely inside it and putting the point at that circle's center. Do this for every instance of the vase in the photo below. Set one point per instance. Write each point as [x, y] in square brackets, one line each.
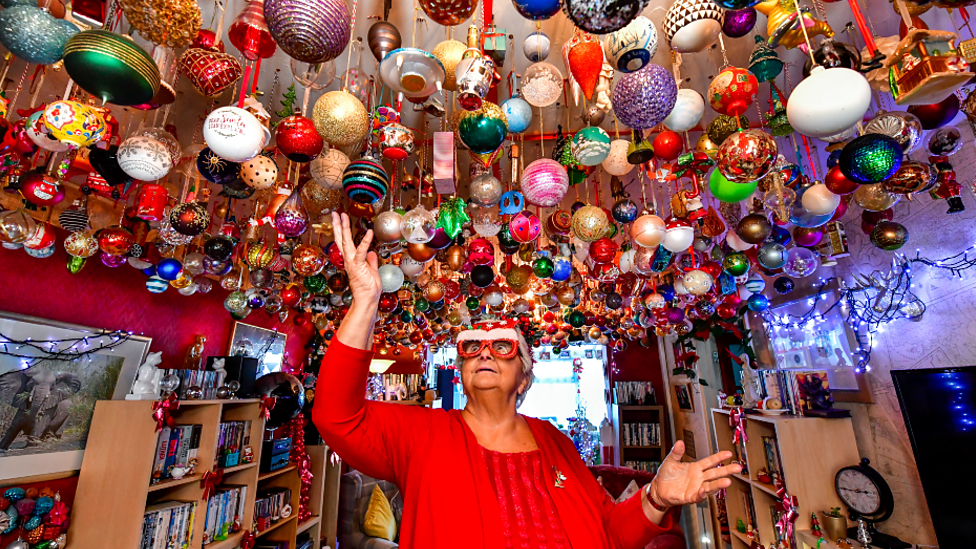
[834, 527]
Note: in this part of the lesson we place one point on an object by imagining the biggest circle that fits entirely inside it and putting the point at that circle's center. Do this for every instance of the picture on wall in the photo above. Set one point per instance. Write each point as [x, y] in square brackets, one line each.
[47, 402]
[268, 346]
[683, 397]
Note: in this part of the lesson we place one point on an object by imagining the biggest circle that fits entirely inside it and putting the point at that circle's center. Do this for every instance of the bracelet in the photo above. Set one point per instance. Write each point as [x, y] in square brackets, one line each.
[654, 504]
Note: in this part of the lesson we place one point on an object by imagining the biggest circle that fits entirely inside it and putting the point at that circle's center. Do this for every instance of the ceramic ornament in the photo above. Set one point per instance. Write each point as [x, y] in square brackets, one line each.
[633, 46]
[144, 158]
[692, 25]
[828, 102]
[233, 134]
[259, 172]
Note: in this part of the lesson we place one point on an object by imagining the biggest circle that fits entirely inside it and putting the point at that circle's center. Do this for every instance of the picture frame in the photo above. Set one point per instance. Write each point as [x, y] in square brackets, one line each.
[683, 396]
[268, 346]
[55, 443]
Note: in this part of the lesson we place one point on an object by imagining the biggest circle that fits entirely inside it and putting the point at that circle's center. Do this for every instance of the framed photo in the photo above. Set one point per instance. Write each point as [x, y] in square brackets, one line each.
[46, 404]
[268, 346]
[682, 394]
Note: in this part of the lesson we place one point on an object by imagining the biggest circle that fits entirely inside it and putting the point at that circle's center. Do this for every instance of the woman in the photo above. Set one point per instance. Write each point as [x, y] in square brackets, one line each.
[483, 477]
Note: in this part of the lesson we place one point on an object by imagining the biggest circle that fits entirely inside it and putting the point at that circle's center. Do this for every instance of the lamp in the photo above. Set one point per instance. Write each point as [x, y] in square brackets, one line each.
[379, 366]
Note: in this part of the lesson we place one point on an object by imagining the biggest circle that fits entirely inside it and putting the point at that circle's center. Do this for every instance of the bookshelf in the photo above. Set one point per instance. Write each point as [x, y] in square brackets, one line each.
[634, 450]
[811, 451]
[114, 487]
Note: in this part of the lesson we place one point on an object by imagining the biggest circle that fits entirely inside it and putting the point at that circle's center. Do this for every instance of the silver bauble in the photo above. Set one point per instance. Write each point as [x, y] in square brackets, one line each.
[386, 226]
[485, 190]
[772, 255]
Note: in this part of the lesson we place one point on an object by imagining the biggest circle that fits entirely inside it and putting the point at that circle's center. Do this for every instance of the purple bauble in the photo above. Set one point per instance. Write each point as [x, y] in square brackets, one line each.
[643, 99]
[738, 23]
[311, 31]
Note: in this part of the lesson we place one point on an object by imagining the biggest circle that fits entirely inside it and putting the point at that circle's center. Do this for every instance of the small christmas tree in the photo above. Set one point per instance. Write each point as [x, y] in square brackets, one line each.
[288, 103]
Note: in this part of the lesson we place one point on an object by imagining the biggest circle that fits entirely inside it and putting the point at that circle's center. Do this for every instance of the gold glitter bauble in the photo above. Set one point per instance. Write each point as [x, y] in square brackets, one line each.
[723, 126]
[449, 53]
[172, 23]
[340, 118]
[590, 223]
[318, 200]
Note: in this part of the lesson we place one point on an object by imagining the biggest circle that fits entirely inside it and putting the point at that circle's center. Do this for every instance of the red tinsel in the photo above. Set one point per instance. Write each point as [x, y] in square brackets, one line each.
[162, 411]
[788, 505]
[737, 420]
[247, 540]
[267, 404]
[210, 481]
[299, 456]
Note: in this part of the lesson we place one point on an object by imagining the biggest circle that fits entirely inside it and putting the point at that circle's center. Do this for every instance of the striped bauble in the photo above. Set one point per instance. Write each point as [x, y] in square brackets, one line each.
[156, 285]
[365, 180]
[75, 217]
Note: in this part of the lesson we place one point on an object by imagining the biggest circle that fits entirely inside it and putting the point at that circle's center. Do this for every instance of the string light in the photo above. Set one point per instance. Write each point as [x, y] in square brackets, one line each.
[50, 349]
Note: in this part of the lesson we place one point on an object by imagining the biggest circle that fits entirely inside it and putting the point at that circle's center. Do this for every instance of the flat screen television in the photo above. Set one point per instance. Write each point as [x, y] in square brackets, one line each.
[939, 406]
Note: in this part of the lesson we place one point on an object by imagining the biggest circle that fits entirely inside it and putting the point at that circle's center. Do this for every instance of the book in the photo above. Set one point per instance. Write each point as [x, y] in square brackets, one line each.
[159, 461]
[194, 448]
[174, 439]
[183, 446]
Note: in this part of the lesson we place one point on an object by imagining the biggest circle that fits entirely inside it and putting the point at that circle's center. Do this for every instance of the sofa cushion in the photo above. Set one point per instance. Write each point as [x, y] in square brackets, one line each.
[379, 521]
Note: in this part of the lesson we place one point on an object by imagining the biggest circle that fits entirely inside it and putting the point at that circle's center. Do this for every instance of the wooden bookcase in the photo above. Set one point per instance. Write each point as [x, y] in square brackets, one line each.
[114, 485]
[811, 452]
[638, 414]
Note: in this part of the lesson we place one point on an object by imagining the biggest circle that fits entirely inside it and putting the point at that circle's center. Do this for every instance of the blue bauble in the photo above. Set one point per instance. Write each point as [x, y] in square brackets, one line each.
[834, 158]
[562, 269]
[758, 303]
[34, 35]
[781, 235]
[215, 169]
[624, 210]
[169, 269]
[519, 113]
[783, 285]
[156, 285]
[666, 291]
[537, 10]
[871, 158]
[43, 505]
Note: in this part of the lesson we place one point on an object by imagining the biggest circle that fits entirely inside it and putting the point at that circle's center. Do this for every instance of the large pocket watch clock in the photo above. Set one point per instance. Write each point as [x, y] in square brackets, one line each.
[867, 495]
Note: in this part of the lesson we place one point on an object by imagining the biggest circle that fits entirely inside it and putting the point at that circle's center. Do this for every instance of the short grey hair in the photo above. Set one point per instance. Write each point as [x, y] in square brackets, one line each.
[525, 354]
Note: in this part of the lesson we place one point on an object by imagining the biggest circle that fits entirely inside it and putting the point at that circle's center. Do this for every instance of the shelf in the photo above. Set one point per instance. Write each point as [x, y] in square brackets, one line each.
[742, 537]
[187, 402]
[232, 540]
[174, 482]
[266, 476]
[742, 478]
[312, 521]
[236, 468]
[768, 488]
[278, 524]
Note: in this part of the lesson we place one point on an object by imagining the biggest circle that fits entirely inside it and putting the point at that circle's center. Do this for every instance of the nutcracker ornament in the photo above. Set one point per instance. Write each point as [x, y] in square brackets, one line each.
[948, 188]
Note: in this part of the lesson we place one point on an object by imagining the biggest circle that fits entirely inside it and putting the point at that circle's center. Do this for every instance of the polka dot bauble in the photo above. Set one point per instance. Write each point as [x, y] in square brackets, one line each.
[259, 172]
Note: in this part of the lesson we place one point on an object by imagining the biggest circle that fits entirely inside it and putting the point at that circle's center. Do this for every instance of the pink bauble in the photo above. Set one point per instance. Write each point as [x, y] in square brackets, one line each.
[545, 182]
[648, 230]
[481, 252]
[525, 226]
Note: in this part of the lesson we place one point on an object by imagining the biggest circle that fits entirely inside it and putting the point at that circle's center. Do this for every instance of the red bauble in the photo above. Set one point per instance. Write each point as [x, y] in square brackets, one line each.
[41, 189]
[725, 310]
[603, 250]
[335, 256]
[837, 183]
[291, 296]
[712, 269]
[938, 114]
[301, 319]
[548, 316]
[845, 202]
[873, 218]
[416, 337]
[388, 302]
[668, 145]
[298, 140]
[115, 240]
[42, 238]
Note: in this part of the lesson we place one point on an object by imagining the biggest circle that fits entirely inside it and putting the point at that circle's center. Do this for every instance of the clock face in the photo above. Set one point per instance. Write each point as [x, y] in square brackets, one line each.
[858, 492]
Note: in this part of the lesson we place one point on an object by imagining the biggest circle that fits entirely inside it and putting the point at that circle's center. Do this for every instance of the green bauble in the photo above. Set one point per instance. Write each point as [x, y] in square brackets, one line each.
[576, 319]
[75, 264]
[484, 130]
[472, 303]
[543, 267]
[316, 283]
[111, 67]
[736, 264]
[421, 304]
[405, 316]
[505, 238]
[727, 191]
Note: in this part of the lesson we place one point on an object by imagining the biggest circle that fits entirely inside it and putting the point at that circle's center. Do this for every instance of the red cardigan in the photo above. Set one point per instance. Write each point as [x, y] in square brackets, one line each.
[434, 458]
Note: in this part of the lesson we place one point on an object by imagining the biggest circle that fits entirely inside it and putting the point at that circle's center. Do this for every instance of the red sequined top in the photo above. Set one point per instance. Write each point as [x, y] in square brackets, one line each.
[529, 519]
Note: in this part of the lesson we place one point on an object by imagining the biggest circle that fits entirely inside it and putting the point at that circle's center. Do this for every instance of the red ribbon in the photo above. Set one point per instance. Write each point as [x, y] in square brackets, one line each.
[210, 481]
[788, 505]
[248, 539]
[163, 409]
[737, 420]
[267, 404]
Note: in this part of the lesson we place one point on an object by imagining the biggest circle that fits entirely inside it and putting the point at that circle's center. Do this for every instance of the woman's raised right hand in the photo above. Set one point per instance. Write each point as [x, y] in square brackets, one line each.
[361, 264]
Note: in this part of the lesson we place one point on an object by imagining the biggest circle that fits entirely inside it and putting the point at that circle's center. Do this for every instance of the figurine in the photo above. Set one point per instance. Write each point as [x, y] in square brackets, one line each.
[146, 386]
[751, 532]
[844, 543]
[750, 383]
[194, 355]
[178, 471]
[740, 526]
[247, 456]
[764, 477]
[218, 366]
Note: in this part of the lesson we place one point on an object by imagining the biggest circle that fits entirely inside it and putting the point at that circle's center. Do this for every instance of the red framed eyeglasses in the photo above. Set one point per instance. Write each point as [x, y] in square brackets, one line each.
[500, 348]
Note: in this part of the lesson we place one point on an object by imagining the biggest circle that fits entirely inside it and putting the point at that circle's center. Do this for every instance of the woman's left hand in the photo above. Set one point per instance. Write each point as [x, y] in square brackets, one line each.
[678, 483]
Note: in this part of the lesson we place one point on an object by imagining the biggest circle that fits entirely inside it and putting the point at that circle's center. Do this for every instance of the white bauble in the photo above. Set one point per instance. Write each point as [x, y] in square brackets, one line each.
[828, 102]
[411, 267]
[144, 158]
[687, 112]
[818, 200]
[697, 282]
[328, 167]
[233, 134]
[616, 162]
[391, 277]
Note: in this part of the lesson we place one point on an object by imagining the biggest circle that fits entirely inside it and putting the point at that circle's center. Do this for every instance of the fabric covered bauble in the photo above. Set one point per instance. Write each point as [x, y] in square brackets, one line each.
[33, 34]
[418, 225]
[738, 23]
[485, 129]
[647, 231]
[746, 156]
[732, 91]
[525, 227]
[616, 163]
[298, 139]
[328, 168]
[518, 112]
[828, 102]
[485, 190]
[602, 16]
[234, 134]
[112, 67]
[633, 46]
[689, 106]
[448, 12]
[365, 180]
[692, 25]
[643, 99]
[259, 172]
[74, 123]
[545, 182]
[727, 191]
[144, 158]
[590, 146]
[818, 200]
[340, 118]
[311, 31]
[590, 223]
[871, 158]
[542, 84]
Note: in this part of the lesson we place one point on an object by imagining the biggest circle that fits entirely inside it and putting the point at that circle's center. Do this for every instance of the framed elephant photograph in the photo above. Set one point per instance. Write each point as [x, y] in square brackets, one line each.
[51, 375]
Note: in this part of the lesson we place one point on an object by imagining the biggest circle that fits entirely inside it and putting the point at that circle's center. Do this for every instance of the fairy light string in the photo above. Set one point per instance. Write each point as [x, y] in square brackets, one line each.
[51, 349]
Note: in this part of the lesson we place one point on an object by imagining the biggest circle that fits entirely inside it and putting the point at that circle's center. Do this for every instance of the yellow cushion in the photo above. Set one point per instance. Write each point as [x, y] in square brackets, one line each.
[379, 521]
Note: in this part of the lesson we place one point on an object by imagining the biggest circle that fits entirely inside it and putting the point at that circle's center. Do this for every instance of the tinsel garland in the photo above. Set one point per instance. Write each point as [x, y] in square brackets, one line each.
[299, 456]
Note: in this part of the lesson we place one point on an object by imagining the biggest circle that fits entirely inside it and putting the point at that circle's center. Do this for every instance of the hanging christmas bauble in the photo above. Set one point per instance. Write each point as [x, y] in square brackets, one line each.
[754, 228]
[340, 118]
[144, 158]
[697, 282]
[643, 99]
[112, 67]
[668, 145]
[738, 23]
[945, 142]
[365, 180]
[259, 172]
[115, 240]
[808, 237]
[421, 252]
[590, 146]
[764, 64]
[831, 54]
[772, 255]
[41, 189]
[234, 134]
[297, 139]
[800, 217]
[545, 182]
[486, 222]
[396, 141]
[889, 236]
[648, 231]
[603, 250]
[624, 210]
[328, 168]
[912, 177]
[525, 227]
[903, 127]
[73, 123]
[871, 158]
[33, 34]
[678, 235]
[448, 13]
[542, 84]
[802, 263]
[518, 113]
[632, 47]
[746, 156]
[190, 218]
[819, 200]
[482, 276]
[311, 31]
[936, 115]
[449, 53]
[590, 223]
[838, 183]
[732, 91]
[616, 163]
[602, 16]
[418, 225]
[722, 126]
[537, 10]
[249, 32]
[875, 198]
[536, 46]
[687, 112]
[485, 129]
[692, 25]
[736, 264]
[485, 190]
[383, 37]
[828, 102]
